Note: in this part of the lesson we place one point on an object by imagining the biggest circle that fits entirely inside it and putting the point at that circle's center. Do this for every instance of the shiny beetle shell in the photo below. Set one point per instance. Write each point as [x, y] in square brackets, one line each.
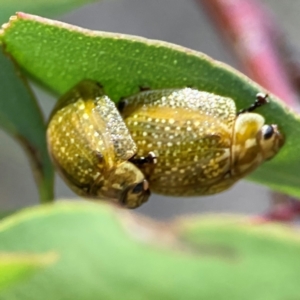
[90, 144]
[202, 145]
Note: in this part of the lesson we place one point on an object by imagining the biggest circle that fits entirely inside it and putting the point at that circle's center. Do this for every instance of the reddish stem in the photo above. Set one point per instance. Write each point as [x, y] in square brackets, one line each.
[253, 35]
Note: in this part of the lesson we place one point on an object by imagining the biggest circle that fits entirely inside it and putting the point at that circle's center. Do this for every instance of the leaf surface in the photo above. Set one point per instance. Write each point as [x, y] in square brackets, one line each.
[15, 267]
[108, 253]
[21, 117]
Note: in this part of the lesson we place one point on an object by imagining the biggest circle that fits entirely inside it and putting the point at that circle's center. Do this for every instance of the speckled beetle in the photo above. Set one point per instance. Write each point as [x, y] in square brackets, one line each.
[90, 145]
[201, 143]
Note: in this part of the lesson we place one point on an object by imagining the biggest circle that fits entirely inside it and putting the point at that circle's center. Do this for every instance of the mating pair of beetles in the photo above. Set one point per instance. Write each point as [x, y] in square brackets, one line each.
[179, 142]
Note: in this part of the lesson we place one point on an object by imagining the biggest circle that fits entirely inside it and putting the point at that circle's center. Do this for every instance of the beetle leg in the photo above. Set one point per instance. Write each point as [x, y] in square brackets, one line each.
[151, 158]
[99, 84]
[144, 88]
[121, 105]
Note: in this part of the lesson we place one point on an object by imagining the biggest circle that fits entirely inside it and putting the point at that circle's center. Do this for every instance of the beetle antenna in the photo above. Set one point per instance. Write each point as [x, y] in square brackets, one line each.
[261, 99]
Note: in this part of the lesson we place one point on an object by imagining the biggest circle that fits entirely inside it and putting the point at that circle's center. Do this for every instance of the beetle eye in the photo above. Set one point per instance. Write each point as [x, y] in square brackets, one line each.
[267, 131]
[138, 188]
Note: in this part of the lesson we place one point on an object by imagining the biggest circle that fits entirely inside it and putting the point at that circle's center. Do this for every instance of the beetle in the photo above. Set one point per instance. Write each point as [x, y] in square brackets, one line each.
[90, 145]
[201, 143]
[178, 142]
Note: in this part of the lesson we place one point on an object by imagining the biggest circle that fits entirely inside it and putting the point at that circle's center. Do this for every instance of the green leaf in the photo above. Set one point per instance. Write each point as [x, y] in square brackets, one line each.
[35, 145]
[60, 55]
[15, 267]
[21, 117]
[43, 7]
[108, 253]
[4, 214]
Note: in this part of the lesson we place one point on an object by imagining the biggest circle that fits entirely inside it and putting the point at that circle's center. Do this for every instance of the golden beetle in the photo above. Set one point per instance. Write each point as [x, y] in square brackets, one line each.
[90, 144]
[181, 141]
[203, 146]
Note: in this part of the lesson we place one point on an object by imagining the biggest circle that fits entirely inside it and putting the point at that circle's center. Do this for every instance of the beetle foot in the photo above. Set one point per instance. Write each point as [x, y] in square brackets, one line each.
[151, 158]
